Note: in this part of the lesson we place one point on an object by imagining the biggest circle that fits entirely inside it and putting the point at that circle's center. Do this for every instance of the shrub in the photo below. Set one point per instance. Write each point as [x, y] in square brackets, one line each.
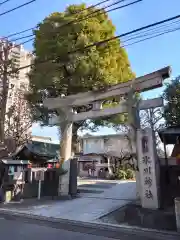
[130, 174]
[121, 174]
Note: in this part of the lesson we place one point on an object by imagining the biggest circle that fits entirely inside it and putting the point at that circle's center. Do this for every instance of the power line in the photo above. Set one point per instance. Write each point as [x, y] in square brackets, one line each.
[26, 30]
[107, 40]
[100, 11]
[123, 6]
[120, 36]
[71, 21]
[97, 4]
[20, 6]
[153, 31]
[1, 3]
[125, 34]
[86, 17]
[142, 40]
[31, 39]
[17, 33]
[151, 37]
[13, 40]
[104, 8]
[111, 39]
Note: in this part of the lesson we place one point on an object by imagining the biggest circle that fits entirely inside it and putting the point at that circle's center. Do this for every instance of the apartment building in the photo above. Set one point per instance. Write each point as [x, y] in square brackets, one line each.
[18, 83]
[112, 144]
[19, 80]
[100, 153]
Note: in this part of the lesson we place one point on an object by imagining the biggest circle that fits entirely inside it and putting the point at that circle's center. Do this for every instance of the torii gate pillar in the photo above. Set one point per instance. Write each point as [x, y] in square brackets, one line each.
[66, 142]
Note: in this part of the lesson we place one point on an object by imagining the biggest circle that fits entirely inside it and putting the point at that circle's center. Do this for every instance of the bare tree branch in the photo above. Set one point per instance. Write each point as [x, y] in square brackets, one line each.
[18, 119]
[152, 118]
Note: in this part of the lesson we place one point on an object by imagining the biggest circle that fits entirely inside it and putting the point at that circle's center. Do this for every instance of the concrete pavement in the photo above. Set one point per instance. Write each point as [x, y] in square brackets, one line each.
[20, 231]
[20, 228]
[88, 207]
[44, 221]
[95, 186]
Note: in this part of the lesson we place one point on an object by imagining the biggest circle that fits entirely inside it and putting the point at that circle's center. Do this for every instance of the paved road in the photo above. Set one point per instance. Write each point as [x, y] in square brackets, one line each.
[18, 229]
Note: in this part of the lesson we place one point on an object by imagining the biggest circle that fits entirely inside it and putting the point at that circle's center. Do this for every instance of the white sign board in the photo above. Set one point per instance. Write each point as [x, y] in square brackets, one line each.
[147, 169]
[39, 176]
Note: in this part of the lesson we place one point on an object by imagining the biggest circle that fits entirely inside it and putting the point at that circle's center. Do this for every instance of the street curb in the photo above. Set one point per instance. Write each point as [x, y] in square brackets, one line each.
[98, 225]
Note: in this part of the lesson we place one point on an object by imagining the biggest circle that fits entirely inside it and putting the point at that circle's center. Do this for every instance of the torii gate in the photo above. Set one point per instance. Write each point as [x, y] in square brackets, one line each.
[64, 105]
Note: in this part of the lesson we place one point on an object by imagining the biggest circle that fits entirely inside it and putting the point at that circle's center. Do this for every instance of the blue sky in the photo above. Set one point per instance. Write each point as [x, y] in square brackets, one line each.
[145, 57]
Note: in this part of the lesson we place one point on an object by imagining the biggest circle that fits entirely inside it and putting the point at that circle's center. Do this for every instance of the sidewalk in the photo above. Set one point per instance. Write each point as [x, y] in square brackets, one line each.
[87, 208]
[82, 214]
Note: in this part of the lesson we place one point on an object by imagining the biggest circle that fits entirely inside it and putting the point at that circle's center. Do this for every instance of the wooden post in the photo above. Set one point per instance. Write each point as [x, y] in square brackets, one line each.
[165, 151]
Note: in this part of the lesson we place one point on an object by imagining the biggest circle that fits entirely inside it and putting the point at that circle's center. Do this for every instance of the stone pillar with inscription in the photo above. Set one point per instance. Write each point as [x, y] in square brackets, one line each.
[148, 169]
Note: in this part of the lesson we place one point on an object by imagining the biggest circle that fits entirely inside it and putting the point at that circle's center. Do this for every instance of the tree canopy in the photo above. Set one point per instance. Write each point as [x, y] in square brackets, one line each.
[172, 98]
[58, 72]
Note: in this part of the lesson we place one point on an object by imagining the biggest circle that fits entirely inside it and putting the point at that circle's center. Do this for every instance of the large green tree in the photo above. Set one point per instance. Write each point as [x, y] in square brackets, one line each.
[172, 107]
[87, 69]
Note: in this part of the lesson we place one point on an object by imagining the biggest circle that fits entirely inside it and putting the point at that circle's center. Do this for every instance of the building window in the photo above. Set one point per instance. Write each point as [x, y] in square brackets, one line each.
[106, 140]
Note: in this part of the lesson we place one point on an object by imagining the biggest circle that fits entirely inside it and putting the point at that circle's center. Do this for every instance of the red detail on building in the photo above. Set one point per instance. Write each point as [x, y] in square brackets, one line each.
[49, 166]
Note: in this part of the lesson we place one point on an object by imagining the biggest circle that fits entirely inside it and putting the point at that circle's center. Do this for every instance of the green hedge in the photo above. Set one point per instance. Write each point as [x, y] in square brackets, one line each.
[125, 174]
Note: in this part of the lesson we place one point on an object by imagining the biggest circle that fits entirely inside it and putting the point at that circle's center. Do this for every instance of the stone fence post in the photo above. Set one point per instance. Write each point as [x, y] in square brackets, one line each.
[177, 212]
